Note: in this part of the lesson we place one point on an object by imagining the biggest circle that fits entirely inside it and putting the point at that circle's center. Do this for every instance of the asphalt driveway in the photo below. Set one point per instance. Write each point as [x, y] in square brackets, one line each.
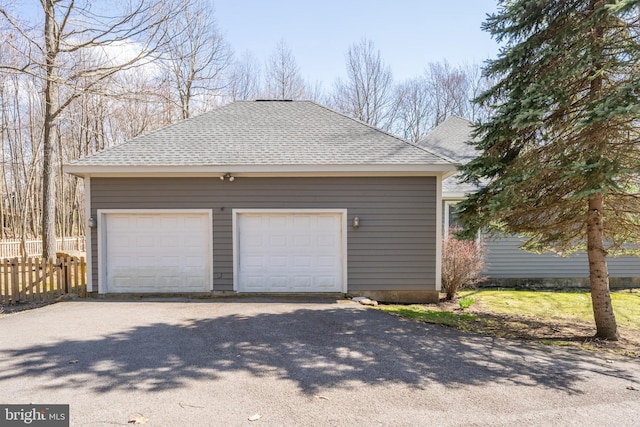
[296, 363]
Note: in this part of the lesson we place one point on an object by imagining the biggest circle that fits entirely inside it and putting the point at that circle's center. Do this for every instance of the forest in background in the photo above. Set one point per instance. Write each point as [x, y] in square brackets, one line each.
[83, 76]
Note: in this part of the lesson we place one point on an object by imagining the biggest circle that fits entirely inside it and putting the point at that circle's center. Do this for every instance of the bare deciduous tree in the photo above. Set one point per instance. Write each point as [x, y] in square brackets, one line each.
[244, 79]
[449, 88]
[414, 117]
[315, 92]
[282, 75]
[477, 84]
[195, 57]
[79, 42]
[367, 93]
[442, 91]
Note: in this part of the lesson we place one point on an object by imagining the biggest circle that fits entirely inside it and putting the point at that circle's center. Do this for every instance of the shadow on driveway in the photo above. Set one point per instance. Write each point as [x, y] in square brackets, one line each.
[325, 345]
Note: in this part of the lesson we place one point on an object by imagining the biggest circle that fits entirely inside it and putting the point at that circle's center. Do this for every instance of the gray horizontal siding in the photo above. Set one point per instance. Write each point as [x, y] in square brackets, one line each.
[505, 260]
[394, 248]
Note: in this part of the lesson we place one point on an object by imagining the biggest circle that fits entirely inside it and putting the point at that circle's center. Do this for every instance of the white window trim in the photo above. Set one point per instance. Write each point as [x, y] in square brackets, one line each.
[447, 206]
[102, 238]
[343, 236]
[447, 209]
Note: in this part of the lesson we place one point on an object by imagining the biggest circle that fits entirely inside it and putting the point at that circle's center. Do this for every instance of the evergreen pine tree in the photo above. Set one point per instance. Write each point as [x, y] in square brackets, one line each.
[560, 156]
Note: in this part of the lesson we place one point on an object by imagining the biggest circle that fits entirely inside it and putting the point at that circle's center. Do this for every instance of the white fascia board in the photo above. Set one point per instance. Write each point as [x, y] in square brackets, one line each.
[87, 233]
[265, 170]
[449, 174]
[438, 276]
[454, 196]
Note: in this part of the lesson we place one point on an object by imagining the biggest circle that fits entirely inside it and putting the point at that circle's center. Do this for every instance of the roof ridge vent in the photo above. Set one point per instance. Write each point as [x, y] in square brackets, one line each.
[274, 100]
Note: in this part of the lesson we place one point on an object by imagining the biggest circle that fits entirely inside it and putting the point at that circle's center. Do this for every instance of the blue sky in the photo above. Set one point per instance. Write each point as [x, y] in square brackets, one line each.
[409, 34]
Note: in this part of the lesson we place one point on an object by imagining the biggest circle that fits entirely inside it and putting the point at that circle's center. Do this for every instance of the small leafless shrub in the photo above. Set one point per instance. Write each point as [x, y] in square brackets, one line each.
[462, 263]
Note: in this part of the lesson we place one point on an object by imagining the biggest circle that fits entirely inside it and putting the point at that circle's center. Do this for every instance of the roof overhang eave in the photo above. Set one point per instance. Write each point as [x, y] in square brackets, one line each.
[444, 170]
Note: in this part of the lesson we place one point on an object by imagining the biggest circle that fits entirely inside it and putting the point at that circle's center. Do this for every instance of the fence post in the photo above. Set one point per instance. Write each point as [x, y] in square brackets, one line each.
[5, 275]
[74, 274]
[41, 281]
[62, 275]
[15, 281]
[66, 265]
[25, 294]
[83, 276]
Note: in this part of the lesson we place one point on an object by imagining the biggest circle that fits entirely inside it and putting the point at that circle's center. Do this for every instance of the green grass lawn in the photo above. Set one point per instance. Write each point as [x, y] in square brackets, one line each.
[557, 305]
[559, 318]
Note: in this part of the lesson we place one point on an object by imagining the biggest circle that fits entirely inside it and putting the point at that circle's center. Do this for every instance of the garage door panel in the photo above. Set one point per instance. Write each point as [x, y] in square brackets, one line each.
[328, 262]
[276, 222]
[163, 252]
[140, 262]
[276, 262]
[144, 241]
[303, 261]
[302, 221]
[303, 282]
[119, 222]
[170, 264]
[194, 262]
[301, 249]
[278, 241]
[167, 221]
[193, 282]
[168, 281]
[252, 240]
[326, 282]
[253, 262]
[253, 283]
[165, 241]
[194, 243]
[303, 241]
[327, 241]
[120, 262]
[143, 222]
[278, 283]
[327, 222]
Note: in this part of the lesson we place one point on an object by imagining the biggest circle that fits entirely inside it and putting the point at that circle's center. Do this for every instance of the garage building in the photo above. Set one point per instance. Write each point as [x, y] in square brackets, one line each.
[265, 197]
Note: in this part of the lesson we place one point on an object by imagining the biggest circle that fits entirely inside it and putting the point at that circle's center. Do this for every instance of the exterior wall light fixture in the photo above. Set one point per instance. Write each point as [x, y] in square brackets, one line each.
[227, 176]
[356, 222]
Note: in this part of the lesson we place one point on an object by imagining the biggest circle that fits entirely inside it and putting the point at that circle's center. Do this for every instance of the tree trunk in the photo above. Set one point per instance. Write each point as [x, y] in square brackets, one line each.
[51, 107]
[598, 274]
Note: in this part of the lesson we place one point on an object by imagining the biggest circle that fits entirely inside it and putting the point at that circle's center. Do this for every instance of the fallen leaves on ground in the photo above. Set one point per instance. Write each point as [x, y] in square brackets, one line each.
[138, 419]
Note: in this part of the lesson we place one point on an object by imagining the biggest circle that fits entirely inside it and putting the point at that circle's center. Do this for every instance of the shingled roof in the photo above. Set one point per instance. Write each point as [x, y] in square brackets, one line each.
[264, 133]
[450, 139]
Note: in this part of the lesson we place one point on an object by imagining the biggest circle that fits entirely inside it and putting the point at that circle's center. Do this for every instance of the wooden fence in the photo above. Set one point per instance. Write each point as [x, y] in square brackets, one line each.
[33, 279]
[11, 248]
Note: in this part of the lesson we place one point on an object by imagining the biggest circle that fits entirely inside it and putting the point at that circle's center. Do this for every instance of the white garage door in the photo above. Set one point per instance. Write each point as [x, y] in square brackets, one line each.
[157, 252]
[289, 252]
